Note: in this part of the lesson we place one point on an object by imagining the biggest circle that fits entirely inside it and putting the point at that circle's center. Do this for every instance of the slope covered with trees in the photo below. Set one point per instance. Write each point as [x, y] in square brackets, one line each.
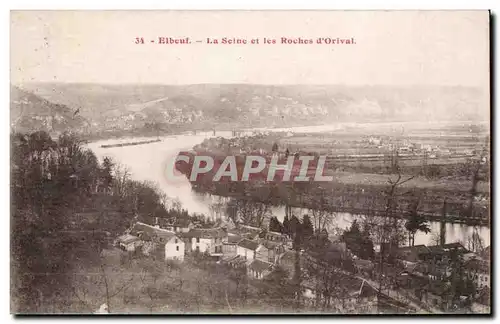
[66, 207]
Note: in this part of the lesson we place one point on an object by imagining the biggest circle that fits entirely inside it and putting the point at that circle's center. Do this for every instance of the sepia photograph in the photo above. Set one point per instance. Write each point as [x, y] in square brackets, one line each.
[250, 162]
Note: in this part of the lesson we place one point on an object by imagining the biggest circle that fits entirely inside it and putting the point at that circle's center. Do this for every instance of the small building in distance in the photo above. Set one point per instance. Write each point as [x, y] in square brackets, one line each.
[258, 269]
[229, 247]
[249, 250]
[159, 241]
[179, 225]
[128, 242]
[206, 240]
[413, 254]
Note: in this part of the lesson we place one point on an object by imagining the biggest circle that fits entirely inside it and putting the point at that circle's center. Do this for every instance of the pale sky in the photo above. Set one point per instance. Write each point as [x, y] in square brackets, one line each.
[392, 48]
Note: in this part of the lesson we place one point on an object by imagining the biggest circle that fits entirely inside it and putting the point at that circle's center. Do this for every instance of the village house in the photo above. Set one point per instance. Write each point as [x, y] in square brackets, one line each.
[128, 242]
[234, 261]
[374, 140]
[274, 250]
[258, 269]
[436, 271]
[207, 240]
[251, 250]
[159, 241]
[229, 247]
[179, 225]
[443, 253]
[413, 254]
[276, 237]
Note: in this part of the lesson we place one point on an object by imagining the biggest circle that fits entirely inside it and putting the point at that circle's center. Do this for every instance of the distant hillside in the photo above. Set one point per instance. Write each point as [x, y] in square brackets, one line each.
[29, 112]
[123, 107]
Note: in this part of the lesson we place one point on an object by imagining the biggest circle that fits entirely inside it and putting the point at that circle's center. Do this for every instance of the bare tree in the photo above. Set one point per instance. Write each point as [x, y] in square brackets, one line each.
[121, 175]
[323, 215]
[474, 242]
[249, 212]
[217, 208]
[389, 229]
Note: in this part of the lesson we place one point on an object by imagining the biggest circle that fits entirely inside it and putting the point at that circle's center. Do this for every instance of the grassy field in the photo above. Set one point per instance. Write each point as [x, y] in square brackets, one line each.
[142, 285]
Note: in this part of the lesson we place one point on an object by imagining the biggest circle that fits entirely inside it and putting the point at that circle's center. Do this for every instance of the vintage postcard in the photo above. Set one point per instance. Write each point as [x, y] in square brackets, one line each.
[250, 162]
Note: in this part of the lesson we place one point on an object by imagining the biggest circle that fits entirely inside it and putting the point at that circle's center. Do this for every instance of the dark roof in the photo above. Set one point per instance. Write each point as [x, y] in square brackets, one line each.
[127, 239]
[259, 266]
[447, 247]
[270, 245]
[238, 260]
[456, 245]
[326, 256]
[233, 239]
[436, 249]
[206, 233]
[147, 232]
[419, 249]
[276, 235]
[247, 244]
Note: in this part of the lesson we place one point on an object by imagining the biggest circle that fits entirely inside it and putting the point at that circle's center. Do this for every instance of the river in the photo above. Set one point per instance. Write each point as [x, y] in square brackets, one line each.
[149, 163]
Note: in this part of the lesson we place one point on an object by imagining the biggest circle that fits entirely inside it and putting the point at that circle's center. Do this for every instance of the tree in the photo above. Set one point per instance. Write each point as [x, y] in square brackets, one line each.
[286, 226]
[328, 279]
[307, 227]
[389, 226]
[249, 212]
[359, 241]
[322, 217]
[460, 283]
[52, 183]
[107, 173]
[296, 232]
[275, 147]
[416, 223]
[367, 246]
[475, 243]
[352, 237]
[275, 225]
[319, 241]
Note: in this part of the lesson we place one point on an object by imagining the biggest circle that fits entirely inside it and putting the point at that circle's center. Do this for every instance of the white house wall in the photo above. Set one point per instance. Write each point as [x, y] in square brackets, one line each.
[174, 251]
[204, 244]
[246, 253]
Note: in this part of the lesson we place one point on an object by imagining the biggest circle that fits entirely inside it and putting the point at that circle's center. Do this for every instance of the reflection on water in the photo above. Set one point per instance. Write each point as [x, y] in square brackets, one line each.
[149, 163]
